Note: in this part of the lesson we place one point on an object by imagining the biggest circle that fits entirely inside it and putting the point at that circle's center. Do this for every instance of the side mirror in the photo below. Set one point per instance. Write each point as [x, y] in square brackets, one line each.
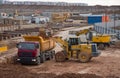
[37, 46]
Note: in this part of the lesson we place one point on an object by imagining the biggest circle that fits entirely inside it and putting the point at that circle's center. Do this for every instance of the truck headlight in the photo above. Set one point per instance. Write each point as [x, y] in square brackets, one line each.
[33, 59]
[18, 59]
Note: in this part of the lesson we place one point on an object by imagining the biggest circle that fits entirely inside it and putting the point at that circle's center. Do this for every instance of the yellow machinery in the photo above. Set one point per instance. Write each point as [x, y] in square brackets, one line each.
[3, 49]
[47, 44]
[74, 48]
[59, 17]
[102, 40]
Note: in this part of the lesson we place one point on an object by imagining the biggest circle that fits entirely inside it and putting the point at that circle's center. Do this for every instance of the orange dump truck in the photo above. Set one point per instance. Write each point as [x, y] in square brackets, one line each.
[35, 50]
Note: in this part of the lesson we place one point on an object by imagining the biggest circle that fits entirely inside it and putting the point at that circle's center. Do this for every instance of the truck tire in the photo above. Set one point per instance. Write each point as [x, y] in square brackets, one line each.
[52, 54]
[60, 57]
[43, 59]
[101, 47]
[50, 57]
[107, 45]
[37, 61]
[84, 57]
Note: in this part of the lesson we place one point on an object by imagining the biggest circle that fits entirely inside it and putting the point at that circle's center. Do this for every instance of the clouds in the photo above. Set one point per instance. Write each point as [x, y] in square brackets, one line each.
[90, 2]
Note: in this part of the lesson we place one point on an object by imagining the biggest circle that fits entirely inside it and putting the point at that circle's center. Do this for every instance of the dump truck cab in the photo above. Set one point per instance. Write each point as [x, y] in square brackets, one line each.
[28, 52]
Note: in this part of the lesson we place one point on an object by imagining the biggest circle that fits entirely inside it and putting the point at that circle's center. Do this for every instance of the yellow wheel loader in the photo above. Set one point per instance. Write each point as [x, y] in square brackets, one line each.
[73, 48]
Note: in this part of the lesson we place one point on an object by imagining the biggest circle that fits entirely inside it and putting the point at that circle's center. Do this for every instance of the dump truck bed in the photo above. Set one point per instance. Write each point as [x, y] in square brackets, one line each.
[44, 44]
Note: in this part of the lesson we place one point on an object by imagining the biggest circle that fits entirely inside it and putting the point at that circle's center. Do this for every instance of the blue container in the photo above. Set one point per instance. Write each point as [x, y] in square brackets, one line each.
[94, 19]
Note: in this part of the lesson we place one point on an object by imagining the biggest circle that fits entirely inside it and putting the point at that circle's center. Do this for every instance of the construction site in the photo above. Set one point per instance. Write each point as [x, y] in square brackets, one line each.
[59, 40]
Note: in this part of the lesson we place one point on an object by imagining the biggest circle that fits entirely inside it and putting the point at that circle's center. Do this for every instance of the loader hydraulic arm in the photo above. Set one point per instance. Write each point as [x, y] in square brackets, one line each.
[85, 31]
[63, 43]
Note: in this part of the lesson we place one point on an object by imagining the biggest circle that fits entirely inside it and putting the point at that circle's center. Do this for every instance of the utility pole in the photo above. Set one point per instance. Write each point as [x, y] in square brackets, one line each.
[106, 21]
[114, 20]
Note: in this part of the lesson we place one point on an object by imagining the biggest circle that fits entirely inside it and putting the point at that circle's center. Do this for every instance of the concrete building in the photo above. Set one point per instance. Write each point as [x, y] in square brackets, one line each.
[3, 1]
[45, 3]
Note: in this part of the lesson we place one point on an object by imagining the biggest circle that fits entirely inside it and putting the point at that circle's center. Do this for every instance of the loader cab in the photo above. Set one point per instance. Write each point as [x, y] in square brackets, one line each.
[74, 40]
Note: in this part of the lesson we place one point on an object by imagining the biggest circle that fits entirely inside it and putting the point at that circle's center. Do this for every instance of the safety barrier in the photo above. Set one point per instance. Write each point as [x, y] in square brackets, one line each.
[3, 49]
[102, 30]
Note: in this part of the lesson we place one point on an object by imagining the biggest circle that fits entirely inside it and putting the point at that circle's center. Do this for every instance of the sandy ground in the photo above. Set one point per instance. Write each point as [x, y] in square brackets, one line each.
[106, 65]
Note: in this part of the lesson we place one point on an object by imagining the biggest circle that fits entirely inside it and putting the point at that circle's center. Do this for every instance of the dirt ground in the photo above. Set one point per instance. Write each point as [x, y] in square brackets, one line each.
[107, 65]
[13, 71]
[18, 71]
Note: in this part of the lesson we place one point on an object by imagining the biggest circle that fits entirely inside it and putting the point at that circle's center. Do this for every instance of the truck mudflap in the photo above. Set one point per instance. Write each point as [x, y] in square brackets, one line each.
[95, 54]
[27, 60]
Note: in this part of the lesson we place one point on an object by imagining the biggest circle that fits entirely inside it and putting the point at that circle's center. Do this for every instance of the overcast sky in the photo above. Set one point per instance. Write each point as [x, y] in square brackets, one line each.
[89, 2]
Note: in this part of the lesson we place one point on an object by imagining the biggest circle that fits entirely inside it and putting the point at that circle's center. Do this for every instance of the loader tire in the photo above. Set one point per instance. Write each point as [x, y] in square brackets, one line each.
[60, 57]
[84, 57]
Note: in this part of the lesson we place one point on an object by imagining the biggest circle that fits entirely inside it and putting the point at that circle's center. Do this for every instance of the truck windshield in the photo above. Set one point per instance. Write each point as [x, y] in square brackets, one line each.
[28, 46]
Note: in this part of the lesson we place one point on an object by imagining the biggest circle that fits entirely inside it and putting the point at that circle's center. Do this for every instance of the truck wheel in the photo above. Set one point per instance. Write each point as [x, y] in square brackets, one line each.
[43, 59]
[38, 61]
[101, 47]
[49, 56]
[107, 45]
[84, 57]
[52, 54]
[59, 57]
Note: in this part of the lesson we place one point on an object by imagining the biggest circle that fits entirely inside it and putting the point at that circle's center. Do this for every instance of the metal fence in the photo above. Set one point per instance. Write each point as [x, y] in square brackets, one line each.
[101, 28]
[109, 24]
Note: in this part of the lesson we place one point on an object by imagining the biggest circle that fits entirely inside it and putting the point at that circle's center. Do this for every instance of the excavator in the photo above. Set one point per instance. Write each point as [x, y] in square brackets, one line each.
[102, 40]
[73, 48]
